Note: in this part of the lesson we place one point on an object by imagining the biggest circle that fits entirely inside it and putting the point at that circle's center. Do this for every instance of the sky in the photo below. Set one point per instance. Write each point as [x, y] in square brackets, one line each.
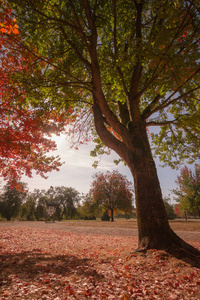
[77, 171]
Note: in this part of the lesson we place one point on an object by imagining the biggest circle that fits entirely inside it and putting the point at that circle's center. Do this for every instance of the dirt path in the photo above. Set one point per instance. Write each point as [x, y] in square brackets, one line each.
[107, 229]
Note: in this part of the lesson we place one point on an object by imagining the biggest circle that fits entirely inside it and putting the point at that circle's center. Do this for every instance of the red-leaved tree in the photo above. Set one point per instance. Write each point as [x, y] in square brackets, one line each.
[24, 130]
[112, 191]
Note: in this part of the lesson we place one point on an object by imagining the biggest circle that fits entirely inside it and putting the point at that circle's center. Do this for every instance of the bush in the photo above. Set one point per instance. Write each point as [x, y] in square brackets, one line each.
[105, 216]
[170, 210]
[90, 218]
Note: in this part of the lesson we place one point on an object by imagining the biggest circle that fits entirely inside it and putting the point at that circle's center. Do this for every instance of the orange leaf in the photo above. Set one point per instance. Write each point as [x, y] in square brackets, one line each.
[72, 292]
[85, 293]
[15, 31]
[3, 30]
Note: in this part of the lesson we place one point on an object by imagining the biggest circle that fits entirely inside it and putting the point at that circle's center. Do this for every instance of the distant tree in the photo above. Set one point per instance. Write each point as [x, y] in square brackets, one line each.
[129, 215]
[66, 198]
[39, 197]
[169, 209]
[178, 210]
[188, 191]
[112, 191]
[27, 210]
[11, 200]
[88, 209]
[105, 216]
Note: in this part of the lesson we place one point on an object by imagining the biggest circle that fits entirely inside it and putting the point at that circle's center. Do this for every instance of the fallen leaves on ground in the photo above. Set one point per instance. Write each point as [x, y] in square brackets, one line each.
[55, 264]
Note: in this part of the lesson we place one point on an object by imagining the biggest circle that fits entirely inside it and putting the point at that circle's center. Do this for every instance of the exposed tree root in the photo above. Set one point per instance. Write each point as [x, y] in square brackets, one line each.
[185, 252]
[174, 246]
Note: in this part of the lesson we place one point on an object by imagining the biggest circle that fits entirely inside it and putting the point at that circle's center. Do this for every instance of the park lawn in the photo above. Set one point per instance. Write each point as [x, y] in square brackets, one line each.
[53, 263]
[177, 224]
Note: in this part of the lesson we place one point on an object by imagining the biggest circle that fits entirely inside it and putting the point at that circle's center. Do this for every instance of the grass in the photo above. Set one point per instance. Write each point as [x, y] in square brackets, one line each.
[177, 224]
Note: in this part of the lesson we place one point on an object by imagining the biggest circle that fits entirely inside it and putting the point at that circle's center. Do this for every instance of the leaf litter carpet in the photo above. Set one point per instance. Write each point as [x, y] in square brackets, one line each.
[46, 263]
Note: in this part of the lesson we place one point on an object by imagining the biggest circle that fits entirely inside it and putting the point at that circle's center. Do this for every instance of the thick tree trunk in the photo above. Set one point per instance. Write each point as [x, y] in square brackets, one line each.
[153, 226]
[112, 214]
[185, 215]
[154, 231]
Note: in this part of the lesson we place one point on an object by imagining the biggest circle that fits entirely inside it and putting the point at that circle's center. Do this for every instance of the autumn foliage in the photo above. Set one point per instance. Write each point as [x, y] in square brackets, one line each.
[111, 191]
[24, 130]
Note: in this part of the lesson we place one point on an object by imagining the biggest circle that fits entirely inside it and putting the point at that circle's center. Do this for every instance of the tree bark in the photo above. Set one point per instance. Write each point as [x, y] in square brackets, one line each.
[185, 213]
[153, 226]
[112, 214]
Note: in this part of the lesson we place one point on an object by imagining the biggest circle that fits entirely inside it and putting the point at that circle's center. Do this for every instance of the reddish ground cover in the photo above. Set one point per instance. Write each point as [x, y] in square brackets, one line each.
[47, 261]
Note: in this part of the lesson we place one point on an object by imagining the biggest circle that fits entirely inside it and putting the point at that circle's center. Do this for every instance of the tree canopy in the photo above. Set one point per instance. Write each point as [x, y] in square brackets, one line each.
[112, 191]
[151, 45]
[24, 130]
[66, 199]
[188, 191]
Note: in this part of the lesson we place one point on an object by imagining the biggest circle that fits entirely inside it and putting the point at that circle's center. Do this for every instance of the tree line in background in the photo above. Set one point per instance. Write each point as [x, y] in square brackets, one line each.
[110, 195]
[31, 205]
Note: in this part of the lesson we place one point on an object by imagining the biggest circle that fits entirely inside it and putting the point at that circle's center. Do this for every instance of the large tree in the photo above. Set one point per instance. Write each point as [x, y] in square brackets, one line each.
[112, 191]
[132, 64]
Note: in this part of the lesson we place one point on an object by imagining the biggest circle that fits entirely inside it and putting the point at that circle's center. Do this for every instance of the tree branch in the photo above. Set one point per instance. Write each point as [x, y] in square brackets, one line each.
[137, 72]
[116, 48]
[123, 113]
[147, 111]
[155, 72]
[152, 123]
[42, 59]
[79, 24]
[166, 103]
[90, 18]
[108, 139]
[51, 18]
[73, 45]
[98, 94]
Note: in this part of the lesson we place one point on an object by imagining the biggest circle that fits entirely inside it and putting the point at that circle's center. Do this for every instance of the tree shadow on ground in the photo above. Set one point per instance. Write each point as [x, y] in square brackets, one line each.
[33, 265]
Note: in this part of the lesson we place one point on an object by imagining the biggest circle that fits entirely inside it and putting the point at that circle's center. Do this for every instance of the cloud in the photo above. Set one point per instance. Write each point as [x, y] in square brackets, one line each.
[77, 171]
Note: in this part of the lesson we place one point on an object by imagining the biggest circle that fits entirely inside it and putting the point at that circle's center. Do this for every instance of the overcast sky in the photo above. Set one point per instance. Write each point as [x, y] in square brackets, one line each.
[77, 171]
